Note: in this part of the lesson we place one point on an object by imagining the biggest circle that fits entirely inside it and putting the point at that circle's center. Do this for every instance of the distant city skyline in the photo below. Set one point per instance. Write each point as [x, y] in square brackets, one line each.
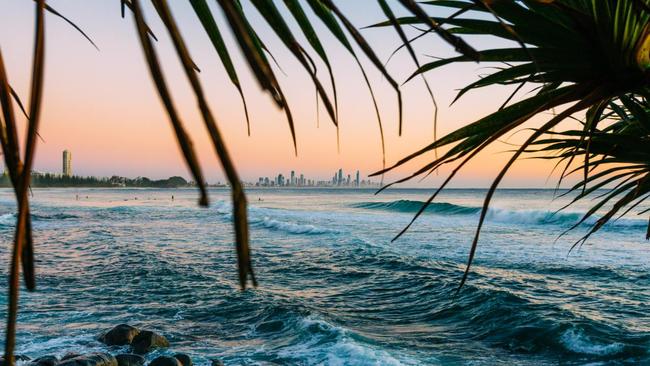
[338, 180]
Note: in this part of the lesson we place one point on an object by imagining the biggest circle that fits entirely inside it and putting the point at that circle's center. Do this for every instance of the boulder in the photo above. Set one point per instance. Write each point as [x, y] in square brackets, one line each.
[120, 335]
[146, 341]
[184, 359]
[91, 359]
[216, 362]
[45, 361]
[129, 359]
[70, 355]
[165, 361]
[16, 358]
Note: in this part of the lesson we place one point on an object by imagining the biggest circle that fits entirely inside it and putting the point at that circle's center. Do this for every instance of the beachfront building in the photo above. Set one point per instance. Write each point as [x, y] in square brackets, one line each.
[67, 163]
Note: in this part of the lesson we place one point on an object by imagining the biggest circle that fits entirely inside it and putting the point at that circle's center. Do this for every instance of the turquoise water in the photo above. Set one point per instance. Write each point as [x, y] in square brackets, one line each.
[334, 289]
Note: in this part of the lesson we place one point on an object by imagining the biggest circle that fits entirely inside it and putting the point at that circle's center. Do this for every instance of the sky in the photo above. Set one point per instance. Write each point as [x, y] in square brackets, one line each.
[103, 107]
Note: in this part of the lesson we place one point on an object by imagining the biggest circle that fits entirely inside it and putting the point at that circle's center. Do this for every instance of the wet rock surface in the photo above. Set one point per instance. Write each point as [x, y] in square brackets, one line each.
[121, 338]
[120, 335]
[146, 341]
[91, 359]
[129, 359]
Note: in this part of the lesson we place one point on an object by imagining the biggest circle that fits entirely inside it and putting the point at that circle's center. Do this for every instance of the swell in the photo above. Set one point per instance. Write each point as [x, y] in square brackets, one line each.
[276, 220]
[9, 219]
[533, 217]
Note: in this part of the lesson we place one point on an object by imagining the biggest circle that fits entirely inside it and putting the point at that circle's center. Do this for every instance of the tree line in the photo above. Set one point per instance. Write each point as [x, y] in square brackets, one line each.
[58, 180]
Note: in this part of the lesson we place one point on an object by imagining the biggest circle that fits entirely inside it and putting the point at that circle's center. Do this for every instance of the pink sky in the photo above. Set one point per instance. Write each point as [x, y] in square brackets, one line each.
[103, 107]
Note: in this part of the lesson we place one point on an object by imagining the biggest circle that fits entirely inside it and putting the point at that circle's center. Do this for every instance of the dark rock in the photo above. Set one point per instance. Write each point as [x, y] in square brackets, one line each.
[45, 361]
[146, 341]
[129, 359]
[184, 359]
[70, 355]
[16, 358]
[91, 359]
[165, 361]
[120, 335]
[216, 362]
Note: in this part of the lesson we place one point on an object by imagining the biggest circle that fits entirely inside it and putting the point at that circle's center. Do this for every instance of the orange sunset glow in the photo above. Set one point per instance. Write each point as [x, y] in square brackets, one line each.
[131, 135]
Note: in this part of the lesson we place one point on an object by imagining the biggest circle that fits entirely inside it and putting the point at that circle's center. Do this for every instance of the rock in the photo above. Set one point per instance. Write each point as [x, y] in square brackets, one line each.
[184, 359]
[146, 341]
[120, 335]
[216, 362]
[70, 355]
[16, 358]
[129, 359]
[91, 359]
[45, 361]
[165, 361]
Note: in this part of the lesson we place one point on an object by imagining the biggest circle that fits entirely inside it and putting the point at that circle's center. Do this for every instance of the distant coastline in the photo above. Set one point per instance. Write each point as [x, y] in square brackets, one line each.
[49, 180]
[53, 180]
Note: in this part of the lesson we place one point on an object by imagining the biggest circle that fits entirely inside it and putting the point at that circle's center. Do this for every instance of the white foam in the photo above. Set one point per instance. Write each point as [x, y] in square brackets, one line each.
[577, 342]
[7, 219]
[535, 217]
[59, 346]
[292, 227]
[261, 217]
[343, 349]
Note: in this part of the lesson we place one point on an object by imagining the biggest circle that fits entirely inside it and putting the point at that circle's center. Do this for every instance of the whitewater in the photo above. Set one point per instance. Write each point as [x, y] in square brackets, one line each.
[334, 289]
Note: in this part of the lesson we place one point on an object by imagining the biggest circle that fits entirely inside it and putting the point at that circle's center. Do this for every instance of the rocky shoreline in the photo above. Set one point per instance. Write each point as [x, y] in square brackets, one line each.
[140, 342]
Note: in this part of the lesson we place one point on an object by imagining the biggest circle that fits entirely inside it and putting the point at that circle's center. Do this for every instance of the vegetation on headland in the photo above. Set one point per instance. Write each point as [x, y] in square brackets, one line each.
[58, 180]
[590, 59]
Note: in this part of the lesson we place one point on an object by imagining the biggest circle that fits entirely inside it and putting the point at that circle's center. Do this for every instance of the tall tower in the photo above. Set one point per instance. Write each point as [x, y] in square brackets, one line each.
[67, 163]
[339, 181]
[356, 181]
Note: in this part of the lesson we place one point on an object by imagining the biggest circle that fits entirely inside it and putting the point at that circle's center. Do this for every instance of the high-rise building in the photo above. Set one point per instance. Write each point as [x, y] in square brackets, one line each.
[67, 163]
[293, 178]
[339, 181]
[356, 181]
[302, 179]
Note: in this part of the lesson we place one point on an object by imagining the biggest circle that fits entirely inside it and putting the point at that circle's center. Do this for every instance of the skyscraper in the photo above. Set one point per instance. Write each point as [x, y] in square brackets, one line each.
[67, 163]
[357, 181]
[339, 181]
[293, 178]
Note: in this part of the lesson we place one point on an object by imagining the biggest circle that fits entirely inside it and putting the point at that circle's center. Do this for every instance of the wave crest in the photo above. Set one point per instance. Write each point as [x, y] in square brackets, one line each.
[260, 218]
[532, 217]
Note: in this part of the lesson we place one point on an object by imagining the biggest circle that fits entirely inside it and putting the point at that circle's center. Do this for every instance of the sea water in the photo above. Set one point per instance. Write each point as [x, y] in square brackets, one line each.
[333, 288]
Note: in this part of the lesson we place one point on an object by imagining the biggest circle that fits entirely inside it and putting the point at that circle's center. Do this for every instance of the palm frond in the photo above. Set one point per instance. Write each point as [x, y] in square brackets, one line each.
[592, 53]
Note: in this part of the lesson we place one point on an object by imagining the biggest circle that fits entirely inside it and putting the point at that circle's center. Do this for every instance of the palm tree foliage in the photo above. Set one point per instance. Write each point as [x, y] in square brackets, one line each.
[614, 152]
[578, 55]
[581, 55]
[256, 55]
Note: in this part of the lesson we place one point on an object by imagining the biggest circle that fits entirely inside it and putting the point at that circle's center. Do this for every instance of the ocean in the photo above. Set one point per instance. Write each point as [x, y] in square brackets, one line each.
[333, 288]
